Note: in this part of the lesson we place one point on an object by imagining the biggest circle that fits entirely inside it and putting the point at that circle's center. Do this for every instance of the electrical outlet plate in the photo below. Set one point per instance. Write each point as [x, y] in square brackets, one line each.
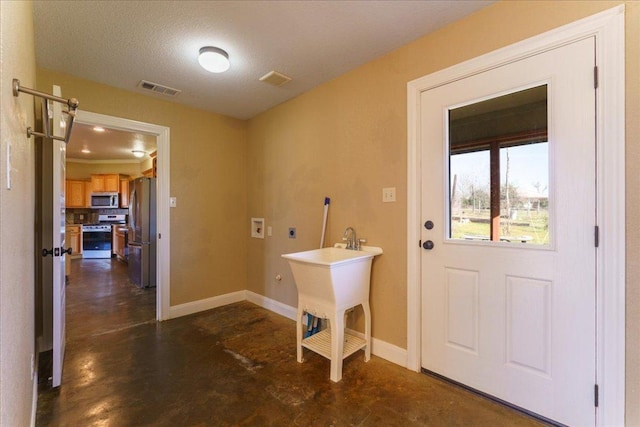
[292, 232]
[389, 194]
[173, 202]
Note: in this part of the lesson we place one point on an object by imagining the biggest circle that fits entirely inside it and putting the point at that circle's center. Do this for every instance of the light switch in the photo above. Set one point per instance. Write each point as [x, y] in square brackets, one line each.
[173, 202]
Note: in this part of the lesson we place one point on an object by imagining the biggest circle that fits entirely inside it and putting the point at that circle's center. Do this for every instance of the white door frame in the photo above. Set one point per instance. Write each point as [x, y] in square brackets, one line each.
[162, 134]
[608, 29]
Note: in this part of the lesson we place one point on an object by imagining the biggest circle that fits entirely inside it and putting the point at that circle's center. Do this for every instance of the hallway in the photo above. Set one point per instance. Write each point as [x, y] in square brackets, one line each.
[231, 366]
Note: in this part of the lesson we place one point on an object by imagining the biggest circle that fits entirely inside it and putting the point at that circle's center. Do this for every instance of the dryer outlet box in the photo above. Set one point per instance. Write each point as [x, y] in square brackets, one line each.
[257, 228]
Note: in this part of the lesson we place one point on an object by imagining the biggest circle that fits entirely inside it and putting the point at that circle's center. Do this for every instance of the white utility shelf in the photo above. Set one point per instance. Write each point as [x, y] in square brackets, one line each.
[321, 343]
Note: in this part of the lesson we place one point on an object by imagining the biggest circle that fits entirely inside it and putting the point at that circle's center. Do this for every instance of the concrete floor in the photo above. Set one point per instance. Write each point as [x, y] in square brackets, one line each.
[231, 366]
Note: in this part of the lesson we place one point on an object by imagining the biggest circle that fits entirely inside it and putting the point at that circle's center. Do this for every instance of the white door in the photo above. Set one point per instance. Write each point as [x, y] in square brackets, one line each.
[59, 159]
[508, 282]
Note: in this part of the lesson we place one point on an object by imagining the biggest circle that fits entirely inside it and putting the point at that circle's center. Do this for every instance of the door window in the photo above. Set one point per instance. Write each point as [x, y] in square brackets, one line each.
[499, 169]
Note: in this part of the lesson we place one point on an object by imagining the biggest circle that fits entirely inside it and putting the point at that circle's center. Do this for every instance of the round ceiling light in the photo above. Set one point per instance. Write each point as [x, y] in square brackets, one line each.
[213, 59]
[138, 153]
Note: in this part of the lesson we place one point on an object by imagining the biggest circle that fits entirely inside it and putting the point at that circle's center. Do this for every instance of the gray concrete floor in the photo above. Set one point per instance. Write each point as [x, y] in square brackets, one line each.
[231, 366]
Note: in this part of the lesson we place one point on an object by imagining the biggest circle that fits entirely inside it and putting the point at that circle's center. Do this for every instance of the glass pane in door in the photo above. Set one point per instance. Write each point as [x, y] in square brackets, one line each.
[470, 195]
[499, 169]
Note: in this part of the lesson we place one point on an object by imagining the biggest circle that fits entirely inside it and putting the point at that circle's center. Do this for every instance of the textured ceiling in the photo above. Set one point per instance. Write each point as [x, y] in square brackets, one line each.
[111, 144]
[119, 43]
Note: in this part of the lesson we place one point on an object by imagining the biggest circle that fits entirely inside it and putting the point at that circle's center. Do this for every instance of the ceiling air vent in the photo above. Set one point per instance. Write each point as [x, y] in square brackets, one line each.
[275, 78]
[155, 87]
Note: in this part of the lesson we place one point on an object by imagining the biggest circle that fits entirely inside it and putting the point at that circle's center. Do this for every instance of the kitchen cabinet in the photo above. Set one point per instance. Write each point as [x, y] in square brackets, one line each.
[120, 242]
[124, 192]
[75, 194]
[73, 239]
[152, 171]
[105, 183]
[97, 184]
[87, 194]
[113, 239]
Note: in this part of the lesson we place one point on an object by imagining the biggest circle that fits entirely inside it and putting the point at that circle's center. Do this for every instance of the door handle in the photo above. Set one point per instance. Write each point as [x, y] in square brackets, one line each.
[56, 252]
[428, 245]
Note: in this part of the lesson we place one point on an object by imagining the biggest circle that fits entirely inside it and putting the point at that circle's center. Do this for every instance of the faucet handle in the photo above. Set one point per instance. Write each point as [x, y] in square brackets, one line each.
[359, 243]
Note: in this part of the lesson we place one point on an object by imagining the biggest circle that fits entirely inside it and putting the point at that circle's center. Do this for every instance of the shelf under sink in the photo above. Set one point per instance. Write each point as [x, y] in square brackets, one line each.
[321, 343]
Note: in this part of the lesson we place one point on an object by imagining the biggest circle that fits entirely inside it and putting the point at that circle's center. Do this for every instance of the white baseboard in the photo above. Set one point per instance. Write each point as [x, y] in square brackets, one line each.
[379, 348]
[272, 305]
[205, 304]
[384, 350]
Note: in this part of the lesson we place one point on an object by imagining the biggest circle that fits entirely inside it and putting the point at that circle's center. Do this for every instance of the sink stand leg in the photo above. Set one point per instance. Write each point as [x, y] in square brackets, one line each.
[300, 333]
[337, 345]
[367, 330]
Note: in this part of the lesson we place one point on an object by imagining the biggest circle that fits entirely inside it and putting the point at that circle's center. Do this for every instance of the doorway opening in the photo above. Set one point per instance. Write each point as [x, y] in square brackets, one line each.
[111, 275]
[158, 165]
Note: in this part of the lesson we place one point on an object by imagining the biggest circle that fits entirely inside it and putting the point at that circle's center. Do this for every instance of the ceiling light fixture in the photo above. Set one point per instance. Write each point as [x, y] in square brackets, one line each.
[98, 129]
[214, 59]
[138, 153]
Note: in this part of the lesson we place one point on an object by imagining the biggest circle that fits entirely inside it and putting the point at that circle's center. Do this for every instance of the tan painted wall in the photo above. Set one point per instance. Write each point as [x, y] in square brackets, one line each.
[84, 171]
[347, 139]
[17, 210]
[208, 177]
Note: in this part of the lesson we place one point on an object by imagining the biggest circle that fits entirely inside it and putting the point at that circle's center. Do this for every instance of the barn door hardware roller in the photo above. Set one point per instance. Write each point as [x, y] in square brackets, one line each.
[71, 103]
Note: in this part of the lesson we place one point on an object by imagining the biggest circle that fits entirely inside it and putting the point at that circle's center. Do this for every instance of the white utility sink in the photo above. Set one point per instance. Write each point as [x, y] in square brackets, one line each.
[333, 256]
[330, 281]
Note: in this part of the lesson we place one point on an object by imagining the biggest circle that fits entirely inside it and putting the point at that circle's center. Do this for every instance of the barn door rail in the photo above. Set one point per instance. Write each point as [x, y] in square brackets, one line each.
[71, 103]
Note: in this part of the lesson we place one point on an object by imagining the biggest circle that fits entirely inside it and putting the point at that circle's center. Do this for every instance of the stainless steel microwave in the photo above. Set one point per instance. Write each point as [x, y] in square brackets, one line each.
[104, 200]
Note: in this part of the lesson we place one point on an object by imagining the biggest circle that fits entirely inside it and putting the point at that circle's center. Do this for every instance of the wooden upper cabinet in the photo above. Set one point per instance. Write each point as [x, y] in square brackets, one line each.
[105, 183]
[112, 183]
[87, 194]
[124, 193]
[75, 194]
[152, 172]
[97, 183]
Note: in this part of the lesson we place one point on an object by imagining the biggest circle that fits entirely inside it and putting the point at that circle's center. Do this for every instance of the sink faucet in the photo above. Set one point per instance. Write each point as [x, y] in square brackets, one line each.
[350, 237]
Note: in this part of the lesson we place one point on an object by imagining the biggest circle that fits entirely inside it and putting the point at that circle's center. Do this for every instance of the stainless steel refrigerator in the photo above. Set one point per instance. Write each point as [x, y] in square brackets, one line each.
[142, 232]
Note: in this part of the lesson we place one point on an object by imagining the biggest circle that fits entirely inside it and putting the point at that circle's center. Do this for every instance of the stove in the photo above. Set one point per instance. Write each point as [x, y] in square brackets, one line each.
[112, 219]
[96, 238]
[88, 228]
